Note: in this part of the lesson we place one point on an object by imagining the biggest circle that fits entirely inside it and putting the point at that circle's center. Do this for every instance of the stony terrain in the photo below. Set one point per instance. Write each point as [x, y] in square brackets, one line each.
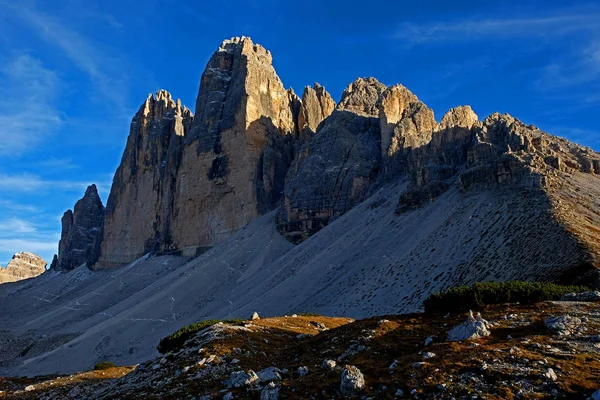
[22, 266]
[546, 350]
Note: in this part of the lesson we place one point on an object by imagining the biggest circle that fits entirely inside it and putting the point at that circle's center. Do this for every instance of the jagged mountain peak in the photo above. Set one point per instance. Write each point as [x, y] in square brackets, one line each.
[462, 116]
[361, 97]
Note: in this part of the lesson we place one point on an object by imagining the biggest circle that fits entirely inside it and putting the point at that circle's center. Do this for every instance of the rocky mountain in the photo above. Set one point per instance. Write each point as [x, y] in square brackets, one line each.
[22, 266]
[265, 201]
[82, 230]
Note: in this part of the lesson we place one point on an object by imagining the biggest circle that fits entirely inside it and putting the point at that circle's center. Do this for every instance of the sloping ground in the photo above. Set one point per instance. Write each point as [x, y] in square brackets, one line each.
[368, 262]
[522, 358]
[61, 323]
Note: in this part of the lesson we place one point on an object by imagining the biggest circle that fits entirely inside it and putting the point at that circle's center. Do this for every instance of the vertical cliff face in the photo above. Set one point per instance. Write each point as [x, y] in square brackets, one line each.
[140, 204]
[82, 232]
[333, 171]
[241, 144]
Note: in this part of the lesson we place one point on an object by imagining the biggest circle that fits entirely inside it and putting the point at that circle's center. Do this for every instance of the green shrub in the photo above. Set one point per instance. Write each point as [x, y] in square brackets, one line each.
[104, 365]
[464, 298]
[308, 314]
[177, 339]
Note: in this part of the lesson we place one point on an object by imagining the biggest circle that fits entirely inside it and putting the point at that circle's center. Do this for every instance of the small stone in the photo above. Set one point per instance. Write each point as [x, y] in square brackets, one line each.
[302, 371]
[393, 364]
[428, 341]
[419, 364]
[352, 382]
[255, 316]
[228, 396]
[270, 392]
[428, 355]
[399, 393]
[329, 365]
[29, 388]
[550, 374]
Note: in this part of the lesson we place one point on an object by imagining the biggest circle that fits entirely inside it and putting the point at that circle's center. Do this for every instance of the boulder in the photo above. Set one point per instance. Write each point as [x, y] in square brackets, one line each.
[353, 381]
[242, 378]
[270, 392]
[563, 325]
[473, 328]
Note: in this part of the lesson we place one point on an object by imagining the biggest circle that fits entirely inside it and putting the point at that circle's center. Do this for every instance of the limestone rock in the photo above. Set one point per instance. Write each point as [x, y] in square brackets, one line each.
[585, 296]
[239, 149]
[472, 328]
[361, 96]
[140, 204]
[270, 392]
[563, 325]
[23, 265]
[317, 104]
[353, 381]
[406, 124]
[333, 172]
[270, 374]
[82, 233]
[242, 378]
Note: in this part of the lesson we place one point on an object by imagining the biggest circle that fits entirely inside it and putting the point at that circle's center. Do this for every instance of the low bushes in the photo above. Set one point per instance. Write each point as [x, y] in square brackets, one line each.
[104, 365]
[177, 339]
[480, 294]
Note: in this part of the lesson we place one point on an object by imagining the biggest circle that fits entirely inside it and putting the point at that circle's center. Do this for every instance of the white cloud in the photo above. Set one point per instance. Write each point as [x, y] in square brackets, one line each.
[16, 225]
[502, 28]
[34, 246]
[30, 183]
[581, 68]
[27, 113]
[103, 68]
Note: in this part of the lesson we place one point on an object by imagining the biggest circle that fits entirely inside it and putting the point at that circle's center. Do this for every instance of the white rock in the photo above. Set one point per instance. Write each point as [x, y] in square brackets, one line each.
[242, 378]
[302, 371]
[270, 374]
[328, 364]
[550, 374]
[255, 316]
[270, 392]
[428, 355]
[393, 365]
[352, 382]
[428, 341]
[228, 396]
[399, 393]
[563, 325]
[29, 388]
[472, 328]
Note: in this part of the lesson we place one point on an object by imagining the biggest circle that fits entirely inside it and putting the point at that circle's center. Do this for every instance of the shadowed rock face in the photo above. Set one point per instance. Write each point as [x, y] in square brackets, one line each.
[22, 266]
[140, 204]
[82, 231]
[333, 171]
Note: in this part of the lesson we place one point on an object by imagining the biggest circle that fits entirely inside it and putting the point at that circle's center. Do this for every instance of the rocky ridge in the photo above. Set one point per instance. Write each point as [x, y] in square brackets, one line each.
[186, 183]
[23, 265]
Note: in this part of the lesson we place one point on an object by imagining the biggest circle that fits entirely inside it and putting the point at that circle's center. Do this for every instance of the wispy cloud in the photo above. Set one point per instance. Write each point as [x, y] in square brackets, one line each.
[35, 246]
[30, 183]
[58, 164]
[16, 225]
[104, 68]
[17, 207]
[502, 28]
[28, 115]
[580, 68]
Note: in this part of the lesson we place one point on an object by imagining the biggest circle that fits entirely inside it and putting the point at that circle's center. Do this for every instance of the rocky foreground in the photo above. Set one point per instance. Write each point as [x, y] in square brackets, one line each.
[544, 350]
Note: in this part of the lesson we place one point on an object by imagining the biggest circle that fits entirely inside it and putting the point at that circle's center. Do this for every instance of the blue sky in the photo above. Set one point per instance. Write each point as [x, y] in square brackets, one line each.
[73, 73]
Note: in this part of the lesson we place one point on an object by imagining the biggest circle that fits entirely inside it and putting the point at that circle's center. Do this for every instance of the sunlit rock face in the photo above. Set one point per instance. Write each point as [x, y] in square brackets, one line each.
[23, 265]
[140, 204]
